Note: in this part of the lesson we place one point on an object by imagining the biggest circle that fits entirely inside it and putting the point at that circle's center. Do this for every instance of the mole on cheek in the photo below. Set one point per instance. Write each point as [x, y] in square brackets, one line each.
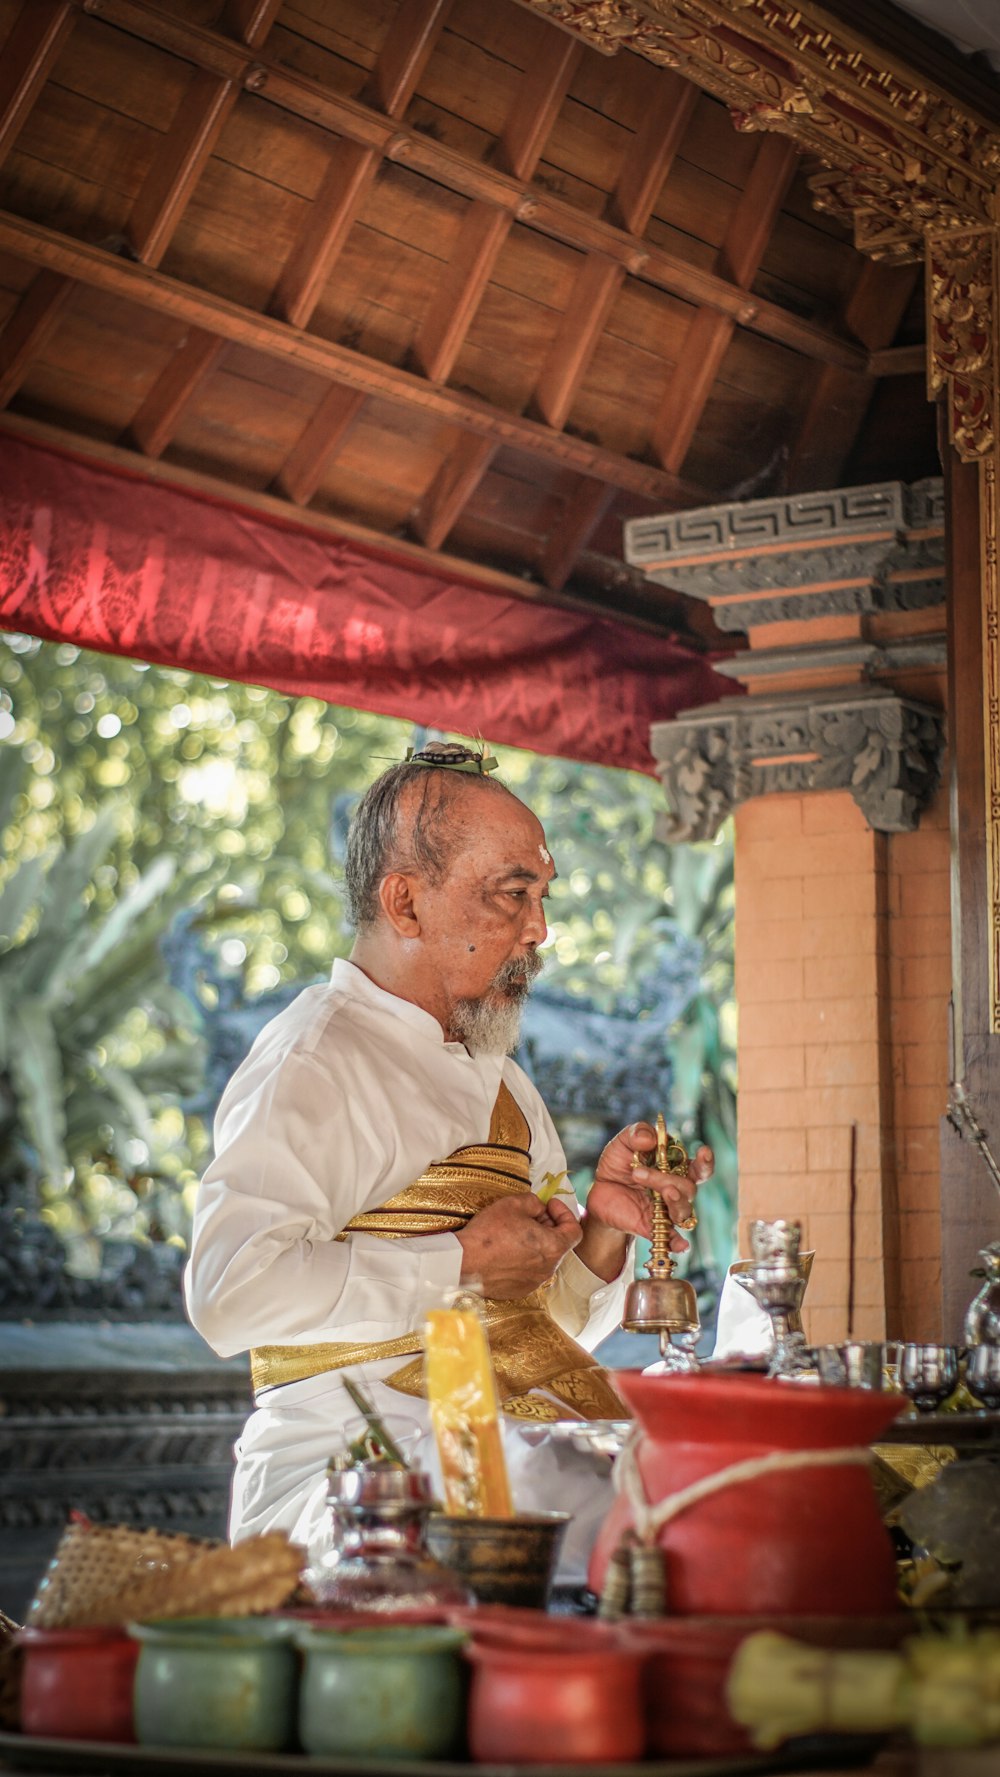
[471, 948]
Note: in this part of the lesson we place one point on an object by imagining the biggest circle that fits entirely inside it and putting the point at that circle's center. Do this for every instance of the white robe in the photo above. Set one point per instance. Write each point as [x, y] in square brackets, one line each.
[346, 1098]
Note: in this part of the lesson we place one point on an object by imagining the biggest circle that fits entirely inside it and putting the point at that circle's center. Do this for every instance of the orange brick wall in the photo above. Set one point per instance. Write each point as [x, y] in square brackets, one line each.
[842, 981]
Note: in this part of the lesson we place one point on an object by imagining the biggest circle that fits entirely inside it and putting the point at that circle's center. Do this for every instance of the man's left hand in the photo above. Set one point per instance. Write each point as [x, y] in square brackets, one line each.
[619, 1198]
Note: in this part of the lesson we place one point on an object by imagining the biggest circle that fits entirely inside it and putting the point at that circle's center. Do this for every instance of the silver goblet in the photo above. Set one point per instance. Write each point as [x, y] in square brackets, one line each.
[982, 1375]
[777, 1282]
[928, 1373]
[855, 1364]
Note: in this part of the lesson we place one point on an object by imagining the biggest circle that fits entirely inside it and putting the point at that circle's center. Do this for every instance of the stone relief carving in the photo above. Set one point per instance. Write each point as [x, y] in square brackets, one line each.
[722, 553]
[884, 748]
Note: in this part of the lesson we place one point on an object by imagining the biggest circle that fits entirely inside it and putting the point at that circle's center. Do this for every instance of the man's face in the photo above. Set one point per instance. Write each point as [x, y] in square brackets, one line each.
[482, 924]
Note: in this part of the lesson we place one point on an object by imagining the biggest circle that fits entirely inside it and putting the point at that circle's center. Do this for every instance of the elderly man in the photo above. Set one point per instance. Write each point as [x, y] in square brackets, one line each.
[378, 1148]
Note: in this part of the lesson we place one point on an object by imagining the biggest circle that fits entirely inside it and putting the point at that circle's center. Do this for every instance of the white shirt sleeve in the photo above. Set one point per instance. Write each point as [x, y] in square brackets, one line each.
[293, 1163]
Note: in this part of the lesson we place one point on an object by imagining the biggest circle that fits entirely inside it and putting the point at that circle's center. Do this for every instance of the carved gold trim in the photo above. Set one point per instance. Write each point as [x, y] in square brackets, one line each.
[906, 154]
[988, 492]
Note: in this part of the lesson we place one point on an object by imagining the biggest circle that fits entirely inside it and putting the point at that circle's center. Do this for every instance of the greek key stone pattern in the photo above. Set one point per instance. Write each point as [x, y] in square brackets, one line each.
[884, 748]
[790, 546]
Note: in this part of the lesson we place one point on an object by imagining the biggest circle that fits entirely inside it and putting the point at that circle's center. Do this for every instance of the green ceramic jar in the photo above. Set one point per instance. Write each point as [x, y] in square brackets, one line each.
[382, 1693]
[227, 1682]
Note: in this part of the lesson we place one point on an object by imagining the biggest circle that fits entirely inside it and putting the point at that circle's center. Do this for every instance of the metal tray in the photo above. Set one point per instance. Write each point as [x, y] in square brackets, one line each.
[93, 1758]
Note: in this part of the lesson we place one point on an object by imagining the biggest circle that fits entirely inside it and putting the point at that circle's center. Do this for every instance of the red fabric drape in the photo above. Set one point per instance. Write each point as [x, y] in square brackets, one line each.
[110, 561]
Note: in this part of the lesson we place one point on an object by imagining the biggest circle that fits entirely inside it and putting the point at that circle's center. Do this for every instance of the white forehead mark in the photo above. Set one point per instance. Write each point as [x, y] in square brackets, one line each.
[545, 856]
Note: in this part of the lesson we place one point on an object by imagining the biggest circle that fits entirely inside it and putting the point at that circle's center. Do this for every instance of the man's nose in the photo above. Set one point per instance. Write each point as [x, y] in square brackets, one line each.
[535, 929]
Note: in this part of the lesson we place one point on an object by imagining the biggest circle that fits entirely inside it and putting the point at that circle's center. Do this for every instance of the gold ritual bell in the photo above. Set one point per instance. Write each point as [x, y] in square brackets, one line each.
[660, 1302]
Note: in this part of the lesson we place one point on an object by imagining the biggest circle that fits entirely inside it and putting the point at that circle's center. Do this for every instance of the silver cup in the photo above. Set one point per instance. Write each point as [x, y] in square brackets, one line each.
[855, 1364]
[982, 1375]
[928, 1373]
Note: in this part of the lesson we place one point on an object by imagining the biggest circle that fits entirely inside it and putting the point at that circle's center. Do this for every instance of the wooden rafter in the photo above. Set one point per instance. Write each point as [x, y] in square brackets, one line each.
[710, 333]
[353, 167]
[249, 21]
[580, 518]
[335, 363]
[840, 398]
[32, 323]
[157, 419]
[178, 164]
[442, 332]
[454, 484]
[303, 469]
[405, 55]
[331, 216]
[36, 38]
[643, 171]
[536, 209]
[540, 95]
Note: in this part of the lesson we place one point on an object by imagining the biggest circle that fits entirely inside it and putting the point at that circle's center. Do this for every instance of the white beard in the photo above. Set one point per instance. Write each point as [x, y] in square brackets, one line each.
[492, 1025]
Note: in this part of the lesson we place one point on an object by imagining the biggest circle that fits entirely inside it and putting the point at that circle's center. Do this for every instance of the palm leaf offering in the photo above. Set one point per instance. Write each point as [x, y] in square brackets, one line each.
[377, 1444]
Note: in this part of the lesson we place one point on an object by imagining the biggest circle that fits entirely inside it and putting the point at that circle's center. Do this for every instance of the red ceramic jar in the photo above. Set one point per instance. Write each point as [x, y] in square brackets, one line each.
[684, 1685]
[575, 1706]
[76, 1684]
[804, 1541]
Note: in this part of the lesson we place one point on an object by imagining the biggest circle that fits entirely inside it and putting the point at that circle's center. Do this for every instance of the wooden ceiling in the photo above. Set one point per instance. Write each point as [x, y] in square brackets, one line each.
[432, 269]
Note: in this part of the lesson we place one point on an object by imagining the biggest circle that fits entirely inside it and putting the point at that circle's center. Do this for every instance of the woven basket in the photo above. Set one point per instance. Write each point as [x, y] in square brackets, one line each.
[105, 1574]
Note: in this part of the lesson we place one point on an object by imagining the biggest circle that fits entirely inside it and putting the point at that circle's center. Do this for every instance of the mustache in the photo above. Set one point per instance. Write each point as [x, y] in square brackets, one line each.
[514, 978]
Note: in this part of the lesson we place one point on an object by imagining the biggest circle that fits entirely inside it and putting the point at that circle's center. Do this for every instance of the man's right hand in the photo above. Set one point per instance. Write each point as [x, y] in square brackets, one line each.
[514, 1245]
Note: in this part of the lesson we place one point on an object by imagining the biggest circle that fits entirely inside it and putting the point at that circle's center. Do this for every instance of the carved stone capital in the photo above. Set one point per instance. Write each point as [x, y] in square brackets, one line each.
[848, 550]
[884, 748]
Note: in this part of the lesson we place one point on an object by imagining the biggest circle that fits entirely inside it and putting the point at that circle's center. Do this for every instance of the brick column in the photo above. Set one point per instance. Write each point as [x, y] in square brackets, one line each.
[842, 900]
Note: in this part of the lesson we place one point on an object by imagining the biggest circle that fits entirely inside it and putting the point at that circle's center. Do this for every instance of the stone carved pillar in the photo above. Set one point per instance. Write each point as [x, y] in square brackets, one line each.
[829, 764]
[819, 565]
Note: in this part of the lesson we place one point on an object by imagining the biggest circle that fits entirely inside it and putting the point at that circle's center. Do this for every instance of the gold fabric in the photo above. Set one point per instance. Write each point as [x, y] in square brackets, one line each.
[530, 1352]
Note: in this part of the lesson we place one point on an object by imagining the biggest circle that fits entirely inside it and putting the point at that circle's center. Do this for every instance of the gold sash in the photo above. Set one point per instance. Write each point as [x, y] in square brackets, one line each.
[530, 1352]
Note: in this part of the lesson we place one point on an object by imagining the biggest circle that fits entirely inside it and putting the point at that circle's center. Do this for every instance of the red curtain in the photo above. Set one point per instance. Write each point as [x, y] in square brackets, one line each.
[107, 560]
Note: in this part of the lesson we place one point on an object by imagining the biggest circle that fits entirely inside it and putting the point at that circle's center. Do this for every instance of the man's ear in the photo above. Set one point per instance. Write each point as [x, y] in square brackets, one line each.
[396, 899]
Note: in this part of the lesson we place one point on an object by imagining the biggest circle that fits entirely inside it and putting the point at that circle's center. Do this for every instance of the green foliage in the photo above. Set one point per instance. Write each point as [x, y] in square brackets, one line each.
[261, 785]
[92, 1035]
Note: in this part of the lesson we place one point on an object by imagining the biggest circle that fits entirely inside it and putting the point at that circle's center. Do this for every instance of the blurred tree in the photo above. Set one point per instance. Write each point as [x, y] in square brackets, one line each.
[263, 785]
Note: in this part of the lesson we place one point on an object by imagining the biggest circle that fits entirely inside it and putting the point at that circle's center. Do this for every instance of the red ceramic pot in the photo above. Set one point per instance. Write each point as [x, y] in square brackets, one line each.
[806, 1541]
[576, 1706]
[76, 1684]
[684, 1685]
[687, 1661]
[504, 1625]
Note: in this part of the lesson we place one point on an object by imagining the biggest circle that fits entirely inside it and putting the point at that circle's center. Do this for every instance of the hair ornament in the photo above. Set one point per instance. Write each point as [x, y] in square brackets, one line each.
[451, 755]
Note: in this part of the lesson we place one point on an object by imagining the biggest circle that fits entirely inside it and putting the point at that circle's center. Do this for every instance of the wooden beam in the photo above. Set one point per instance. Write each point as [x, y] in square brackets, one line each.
[691, 382]
[249, 21]
[710, 333]
[303, 468]
[753, 220]
[457, 293]
[637, 608]
[329, 220]
[551, 216]
[35, 40]
[261, 333]
[405, 54]
[157, 419]
[178, 164]
[839, 399]
[898, 361]
[540, 93]
[33, 321]
[455, 483]
[651, 155]
[569, 357]
[580, 518]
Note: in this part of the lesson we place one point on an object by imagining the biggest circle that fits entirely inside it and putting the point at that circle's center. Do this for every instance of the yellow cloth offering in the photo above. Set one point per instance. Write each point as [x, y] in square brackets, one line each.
[465, 1414]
